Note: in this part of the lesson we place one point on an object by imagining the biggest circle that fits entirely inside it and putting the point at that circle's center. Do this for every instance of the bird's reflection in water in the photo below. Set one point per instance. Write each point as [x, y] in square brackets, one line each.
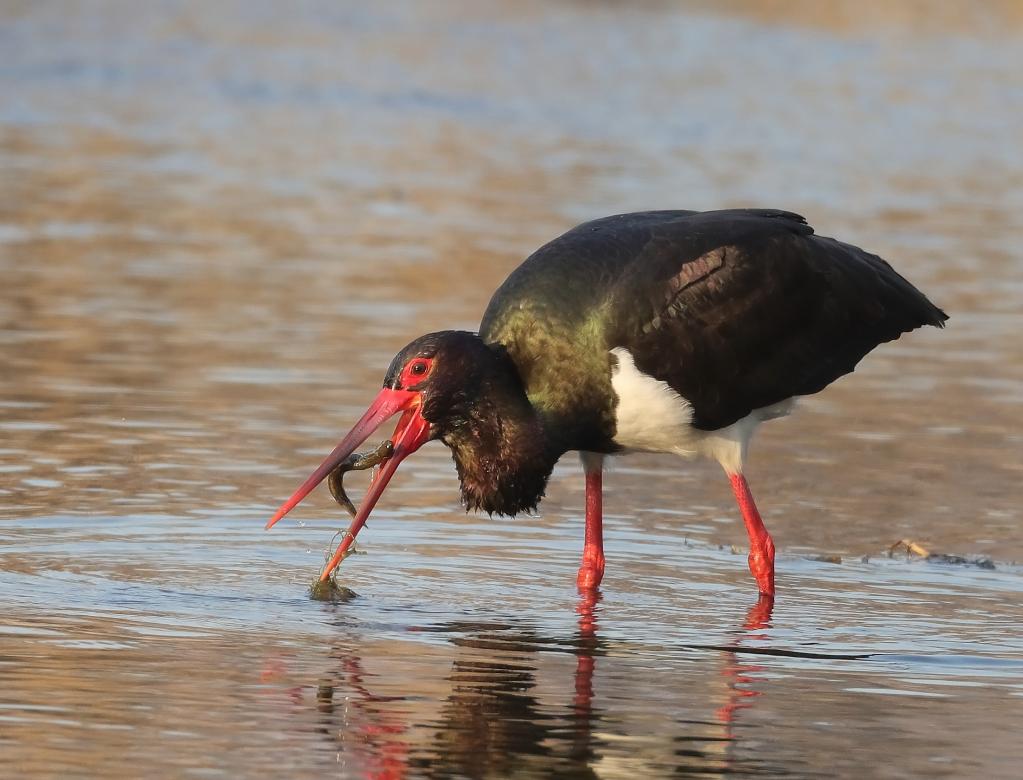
[369, 734]
[491, 723]
[496, 723]
[497, 720]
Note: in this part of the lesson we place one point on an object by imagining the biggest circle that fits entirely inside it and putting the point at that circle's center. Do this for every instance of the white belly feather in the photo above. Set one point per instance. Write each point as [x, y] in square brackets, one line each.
[652, 417]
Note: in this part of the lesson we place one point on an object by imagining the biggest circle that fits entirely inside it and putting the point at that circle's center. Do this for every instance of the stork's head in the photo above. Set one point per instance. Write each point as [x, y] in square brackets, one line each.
[435, 384]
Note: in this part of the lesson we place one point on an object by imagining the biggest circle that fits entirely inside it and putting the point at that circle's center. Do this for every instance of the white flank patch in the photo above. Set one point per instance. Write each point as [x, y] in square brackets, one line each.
[652, 417]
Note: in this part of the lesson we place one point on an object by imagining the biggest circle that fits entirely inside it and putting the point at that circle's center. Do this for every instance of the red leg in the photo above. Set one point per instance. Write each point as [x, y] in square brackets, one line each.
[591, 571]
[761, 546]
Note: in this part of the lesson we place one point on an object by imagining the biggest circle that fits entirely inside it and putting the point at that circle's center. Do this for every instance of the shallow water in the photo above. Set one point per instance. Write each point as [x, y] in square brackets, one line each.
[217, 225]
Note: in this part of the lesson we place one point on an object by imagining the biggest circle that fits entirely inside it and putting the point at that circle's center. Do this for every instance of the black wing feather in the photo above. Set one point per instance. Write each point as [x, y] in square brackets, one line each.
[763, 317]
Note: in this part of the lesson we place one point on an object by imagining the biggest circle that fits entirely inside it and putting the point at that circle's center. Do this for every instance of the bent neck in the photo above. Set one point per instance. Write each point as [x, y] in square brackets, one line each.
[502, 451]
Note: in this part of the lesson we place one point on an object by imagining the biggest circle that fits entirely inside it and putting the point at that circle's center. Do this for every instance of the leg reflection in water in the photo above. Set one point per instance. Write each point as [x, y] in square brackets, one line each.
[582, 749]
[721, 750]
[739, 675]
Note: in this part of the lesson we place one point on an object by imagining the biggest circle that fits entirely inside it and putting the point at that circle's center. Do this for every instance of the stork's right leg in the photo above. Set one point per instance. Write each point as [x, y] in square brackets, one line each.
[761, 546]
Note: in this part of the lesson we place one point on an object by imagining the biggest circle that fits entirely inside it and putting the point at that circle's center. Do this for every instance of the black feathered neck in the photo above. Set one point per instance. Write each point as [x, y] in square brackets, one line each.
[501, 454]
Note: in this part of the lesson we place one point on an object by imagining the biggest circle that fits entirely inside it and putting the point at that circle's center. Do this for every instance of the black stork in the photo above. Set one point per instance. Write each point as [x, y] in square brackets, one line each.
[659, 331]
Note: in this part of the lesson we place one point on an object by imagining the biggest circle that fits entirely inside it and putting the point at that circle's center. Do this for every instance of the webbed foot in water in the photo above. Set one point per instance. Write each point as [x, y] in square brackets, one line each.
[356, 462]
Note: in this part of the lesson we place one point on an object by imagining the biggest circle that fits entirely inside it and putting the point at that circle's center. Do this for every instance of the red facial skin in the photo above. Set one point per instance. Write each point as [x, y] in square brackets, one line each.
[411, 433]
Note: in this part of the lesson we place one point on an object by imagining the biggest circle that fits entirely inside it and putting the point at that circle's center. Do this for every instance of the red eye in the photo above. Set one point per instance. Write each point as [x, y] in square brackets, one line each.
[415, 370]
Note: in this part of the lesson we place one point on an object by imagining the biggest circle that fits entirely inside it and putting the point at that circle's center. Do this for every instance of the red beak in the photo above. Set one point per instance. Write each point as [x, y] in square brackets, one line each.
[411, 433]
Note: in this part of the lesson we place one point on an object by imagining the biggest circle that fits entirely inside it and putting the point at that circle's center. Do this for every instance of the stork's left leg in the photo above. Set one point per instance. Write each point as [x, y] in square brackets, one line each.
[761, 546]
[591, 571]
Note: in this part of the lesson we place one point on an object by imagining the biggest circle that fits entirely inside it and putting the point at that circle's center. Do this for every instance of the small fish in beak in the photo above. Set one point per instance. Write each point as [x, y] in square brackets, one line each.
[357, 461]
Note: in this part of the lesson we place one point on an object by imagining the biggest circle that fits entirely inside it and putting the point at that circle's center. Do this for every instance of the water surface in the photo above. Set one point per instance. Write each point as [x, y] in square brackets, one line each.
[217, 225]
